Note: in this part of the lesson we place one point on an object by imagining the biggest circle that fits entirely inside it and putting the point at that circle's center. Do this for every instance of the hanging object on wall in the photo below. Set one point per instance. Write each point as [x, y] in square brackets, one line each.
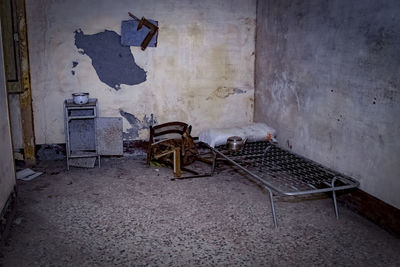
[134, 34]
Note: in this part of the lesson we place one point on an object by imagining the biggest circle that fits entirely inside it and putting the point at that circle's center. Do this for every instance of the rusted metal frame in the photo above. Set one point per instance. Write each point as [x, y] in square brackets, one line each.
[26, 97]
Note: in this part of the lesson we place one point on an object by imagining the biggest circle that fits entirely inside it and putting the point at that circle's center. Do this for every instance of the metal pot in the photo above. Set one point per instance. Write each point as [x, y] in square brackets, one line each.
[234, 143]
[80, 98]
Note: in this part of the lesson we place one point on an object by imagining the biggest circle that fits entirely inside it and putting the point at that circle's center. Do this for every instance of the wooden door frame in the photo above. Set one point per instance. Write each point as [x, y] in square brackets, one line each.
[23, 86]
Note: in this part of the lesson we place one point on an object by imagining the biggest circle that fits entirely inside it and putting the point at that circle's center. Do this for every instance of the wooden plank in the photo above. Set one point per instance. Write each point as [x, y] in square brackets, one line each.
[10, 45]
[177, 162]
[372, 208]
[26, 96]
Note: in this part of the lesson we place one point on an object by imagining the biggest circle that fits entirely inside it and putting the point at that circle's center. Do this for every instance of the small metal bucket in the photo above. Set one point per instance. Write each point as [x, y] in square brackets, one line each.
[235, 143]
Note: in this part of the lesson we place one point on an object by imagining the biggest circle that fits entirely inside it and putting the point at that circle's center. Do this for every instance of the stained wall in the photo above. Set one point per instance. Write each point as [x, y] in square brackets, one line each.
[7, 172]
[201, 72]
[328, 80]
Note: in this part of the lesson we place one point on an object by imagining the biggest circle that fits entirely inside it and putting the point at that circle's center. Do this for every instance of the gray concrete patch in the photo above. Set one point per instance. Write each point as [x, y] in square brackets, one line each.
[114, 63]
[126, 214]
[130, 36]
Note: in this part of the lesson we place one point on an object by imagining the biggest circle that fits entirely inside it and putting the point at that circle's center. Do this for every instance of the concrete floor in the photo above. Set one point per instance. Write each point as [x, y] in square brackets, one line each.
[125, 214]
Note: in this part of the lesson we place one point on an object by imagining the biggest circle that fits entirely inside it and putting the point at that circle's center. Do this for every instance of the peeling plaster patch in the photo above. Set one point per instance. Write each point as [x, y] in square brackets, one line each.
[224, 92]
[136, 124]
[238, 91]
[114, 63]
[74, 64]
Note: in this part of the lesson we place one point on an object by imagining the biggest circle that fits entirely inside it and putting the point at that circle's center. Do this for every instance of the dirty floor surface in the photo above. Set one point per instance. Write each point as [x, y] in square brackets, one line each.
[126, 214]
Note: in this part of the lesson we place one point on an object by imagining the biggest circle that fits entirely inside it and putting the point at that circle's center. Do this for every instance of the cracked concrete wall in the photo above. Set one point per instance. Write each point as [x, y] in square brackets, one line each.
[201, 72]
[7, 172]
[328, 79]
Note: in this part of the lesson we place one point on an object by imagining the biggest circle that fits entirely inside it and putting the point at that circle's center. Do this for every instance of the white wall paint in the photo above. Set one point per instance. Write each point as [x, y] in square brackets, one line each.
[7, 172]
[205, 50]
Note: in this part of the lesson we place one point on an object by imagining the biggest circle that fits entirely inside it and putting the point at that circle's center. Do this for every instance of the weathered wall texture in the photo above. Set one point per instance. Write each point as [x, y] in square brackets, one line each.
[15, 121]
[7, 173]
[201, 72]
[328, 79]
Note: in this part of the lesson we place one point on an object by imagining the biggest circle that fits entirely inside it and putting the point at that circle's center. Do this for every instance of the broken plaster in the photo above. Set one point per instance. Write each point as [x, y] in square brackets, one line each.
[136, 124]
[114, 63]
[224, 92]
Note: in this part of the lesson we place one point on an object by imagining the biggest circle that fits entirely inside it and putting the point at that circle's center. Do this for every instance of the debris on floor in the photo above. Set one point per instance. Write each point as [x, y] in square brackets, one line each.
[27, 174]
[127, 214]
[83, 162]
[157, 164]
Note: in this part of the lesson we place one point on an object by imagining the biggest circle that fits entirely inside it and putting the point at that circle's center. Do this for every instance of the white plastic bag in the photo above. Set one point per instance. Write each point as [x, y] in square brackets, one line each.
[252, 132]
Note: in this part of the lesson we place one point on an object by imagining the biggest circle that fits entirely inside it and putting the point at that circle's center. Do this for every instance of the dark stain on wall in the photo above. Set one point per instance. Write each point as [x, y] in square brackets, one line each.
[136, 124]
[224, 92]
[378, 39]
[114, 63]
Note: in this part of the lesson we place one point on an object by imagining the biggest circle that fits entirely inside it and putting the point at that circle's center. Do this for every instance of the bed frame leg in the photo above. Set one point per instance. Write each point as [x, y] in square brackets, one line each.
[271, 197]
[334, 198]
[335, 204]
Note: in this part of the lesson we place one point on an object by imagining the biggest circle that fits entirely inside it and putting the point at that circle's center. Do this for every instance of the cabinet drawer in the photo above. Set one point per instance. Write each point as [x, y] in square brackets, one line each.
[81, 112]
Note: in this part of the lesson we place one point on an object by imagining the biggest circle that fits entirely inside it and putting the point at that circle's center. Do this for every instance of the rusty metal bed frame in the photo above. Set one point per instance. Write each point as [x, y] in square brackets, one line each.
[282, 172]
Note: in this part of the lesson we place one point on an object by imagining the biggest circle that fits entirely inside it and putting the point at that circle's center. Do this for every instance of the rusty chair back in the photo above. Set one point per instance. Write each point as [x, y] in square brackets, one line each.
[171, 143]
